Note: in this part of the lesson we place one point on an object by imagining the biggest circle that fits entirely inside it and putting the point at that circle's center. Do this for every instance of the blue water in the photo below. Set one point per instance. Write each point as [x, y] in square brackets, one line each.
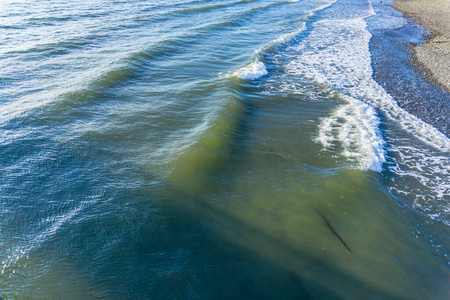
[215, 150]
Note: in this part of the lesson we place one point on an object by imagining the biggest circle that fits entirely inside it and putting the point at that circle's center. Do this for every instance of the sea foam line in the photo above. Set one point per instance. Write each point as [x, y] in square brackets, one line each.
[336, 53]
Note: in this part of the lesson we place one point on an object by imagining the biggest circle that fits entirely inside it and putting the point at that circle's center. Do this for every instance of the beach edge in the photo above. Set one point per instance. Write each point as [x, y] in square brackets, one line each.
[433, 56]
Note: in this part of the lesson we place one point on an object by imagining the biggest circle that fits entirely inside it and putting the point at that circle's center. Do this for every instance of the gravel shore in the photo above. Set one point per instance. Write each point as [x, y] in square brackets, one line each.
[434, 55]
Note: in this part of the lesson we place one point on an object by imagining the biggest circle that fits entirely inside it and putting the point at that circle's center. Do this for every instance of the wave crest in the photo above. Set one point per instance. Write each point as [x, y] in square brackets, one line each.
[354, 127]
[253, 71]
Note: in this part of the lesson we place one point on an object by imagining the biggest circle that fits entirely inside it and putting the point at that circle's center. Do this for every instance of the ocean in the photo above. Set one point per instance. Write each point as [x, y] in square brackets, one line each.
[223, 149]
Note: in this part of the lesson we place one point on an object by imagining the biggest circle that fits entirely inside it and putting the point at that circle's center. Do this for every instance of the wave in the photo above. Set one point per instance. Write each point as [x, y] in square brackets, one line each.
[282, 40]
[354, 126]
[204, 8]
[253, 71]
[165, 6]
[17, 257]
[235, 19]
[51, 18]
[88, 85]
[257, 68]
[58, 48]
[337, 53]
[204, 149]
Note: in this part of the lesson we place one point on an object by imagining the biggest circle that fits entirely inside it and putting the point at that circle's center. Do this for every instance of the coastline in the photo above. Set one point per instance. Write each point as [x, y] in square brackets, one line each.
[433, 56]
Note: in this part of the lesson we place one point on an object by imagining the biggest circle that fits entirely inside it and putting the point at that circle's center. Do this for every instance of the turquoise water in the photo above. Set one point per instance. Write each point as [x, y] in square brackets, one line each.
[213, 150]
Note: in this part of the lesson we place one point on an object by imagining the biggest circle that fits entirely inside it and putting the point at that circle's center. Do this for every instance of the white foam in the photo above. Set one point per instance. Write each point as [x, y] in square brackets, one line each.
[430, 174]
[355, 126]
[257, 68]
[252, 71]
[349, 9]
[387, 17]
[336, 53]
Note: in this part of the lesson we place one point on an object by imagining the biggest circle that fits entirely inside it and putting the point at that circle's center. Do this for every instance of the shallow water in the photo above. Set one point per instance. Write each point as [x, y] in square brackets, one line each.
[214, 149]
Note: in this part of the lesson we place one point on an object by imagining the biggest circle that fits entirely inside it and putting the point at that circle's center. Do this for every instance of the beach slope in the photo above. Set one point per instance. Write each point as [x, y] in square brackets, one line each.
[434, 55]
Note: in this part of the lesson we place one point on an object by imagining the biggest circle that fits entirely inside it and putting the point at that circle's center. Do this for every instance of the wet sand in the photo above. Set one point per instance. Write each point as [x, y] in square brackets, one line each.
[434, 55]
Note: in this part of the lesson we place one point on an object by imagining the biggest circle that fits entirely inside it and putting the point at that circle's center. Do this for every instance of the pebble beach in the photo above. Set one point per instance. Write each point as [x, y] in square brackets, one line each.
[434, 55]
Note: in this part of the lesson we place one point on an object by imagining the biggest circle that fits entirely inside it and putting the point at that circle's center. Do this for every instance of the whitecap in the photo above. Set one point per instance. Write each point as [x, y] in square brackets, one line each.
[252, 71]
[354, 127]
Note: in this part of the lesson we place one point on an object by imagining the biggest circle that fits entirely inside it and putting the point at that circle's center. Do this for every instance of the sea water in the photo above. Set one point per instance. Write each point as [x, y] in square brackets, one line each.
[227, 149]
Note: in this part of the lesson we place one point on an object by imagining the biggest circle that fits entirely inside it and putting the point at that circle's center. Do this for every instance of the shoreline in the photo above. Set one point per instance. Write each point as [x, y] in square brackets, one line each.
[399, 72]
[433, 56]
